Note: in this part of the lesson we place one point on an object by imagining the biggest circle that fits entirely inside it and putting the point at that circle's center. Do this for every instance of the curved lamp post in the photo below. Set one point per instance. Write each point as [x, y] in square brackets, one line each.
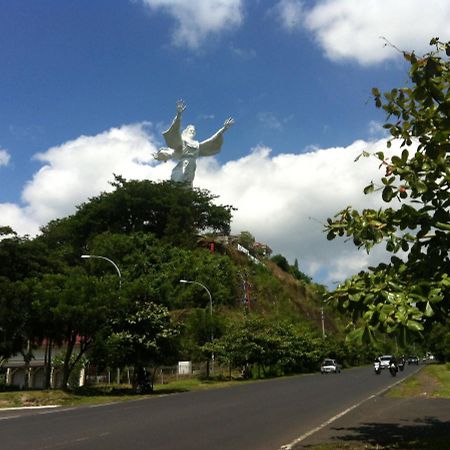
[210, 311]
[110, 261]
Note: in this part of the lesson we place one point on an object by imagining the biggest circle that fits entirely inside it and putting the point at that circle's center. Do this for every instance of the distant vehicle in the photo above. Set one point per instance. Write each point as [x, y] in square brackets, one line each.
[329, 366]
[393, 368]
[413, 359]
[384, 361]
[377, 366]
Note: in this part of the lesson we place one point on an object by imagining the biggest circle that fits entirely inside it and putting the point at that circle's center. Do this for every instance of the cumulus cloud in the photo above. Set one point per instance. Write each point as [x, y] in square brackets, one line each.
[283, 200]
[19, 219]
[4, 157]
[198, 19]
[349, 30]
[77, 170]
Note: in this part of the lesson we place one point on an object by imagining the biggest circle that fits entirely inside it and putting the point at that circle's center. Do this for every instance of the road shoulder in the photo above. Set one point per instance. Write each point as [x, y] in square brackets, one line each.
[390, 423]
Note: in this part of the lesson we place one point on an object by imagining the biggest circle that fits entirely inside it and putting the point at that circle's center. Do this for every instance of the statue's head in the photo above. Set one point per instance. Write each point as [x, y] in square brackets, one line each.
[188, 132]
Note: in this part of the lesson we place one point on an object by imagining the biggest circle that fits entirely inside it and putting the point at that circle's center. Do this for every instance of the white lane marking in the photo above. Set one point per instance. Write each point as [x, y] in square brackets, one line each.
[99, 405]
[16, 408]
[334, 418]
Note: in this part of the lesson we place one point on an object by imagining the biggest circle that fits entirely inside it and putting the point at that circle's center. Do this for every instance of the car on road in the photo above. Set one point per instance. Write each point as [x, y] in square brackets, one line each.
[413, 359]
[329, 366]
[384, 361]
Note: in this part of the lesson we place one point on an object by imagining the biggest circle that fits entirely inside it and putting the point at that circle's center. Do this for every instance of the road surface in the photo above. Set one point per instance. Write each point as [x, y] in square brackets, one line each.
[254, 416]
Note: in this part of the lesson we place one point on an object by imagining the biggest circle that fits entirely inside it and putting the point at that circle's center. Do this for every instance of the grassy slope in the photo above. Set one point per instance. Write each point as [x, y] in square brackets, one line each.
[276, 293]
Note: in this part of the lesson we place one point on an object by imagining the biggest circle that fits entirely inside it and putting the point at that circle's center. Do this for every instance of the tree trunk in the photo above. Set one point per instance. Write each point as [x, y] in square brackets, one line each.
[207, 368]
[48, 364]
[67, 366]
[27, 357]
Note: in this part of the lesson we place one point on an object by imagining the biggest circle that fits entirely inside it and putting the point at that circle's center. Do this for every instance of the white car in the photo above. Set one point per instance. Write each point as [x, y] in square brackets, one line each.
[384, 361]
[329, 366]
[381, 362]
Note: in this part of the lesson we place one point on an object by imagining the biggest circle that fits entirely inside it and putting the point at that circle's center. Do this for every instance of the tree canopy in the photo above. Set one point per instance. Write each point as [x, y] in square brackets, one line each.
[167, 210]
[150, 230]
[411, 291]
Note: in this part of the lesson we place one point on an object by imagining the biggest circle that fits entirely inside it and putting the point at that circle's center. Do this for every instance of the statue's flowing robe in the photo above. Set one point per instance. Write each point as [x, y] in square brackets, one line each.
[187, 152]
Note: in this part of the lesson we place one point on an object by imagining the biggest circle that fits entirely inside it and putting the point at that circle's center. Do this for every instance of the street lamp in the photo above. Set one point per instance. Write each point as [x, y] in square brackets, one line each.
[120, 284]
[110, 261]
[210, 310]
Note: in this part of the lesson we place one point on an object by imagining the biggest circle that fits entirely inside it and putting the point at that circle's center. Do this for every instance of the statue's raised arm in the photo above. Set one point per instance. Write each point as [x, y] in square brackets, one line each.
[213, 145]
[172, 135]
[227, 124]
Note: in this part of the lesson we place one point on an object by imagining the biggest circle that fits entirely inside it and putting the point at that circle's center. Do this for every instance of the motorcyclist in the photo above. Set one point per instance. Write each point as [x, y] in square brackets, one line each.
[393, 365]
[377, 365]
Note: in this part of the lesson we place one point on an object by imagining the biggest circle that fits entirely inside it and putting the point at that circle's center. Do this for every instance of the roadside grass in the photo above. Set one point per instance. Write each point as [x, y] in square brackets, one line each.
[432, 381]
[99, 394]
[432, 443]
[58, 397]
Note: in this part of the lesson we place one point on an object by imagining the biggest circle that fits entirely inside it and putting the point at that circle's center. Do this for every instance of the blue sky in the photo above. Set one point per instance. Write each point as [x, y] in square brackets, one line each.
[87, 86]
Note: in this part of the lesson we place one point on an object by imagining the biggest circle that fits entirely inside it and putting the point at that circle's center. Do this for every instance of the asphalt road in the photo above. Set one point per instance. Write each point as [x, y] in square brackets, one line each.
[254, 416]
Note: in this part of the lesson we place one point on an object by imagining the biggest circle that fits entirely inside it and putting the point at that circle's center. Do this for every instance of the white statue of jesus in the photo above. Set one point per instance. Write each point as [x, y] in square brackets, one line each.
[183, 148]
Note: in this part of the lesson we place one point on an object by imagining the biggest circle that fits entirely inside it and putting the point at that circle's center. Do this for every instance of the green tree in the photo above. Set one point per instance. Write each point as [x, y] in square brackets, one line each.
[166, 210]
[200, 328]
[281, 262]
[23, 258]
[297, 273]
[410, 292]
[272, 347]
[71, 309]
[438, 341]
[16, 319]
[144, 336]
[247, 240]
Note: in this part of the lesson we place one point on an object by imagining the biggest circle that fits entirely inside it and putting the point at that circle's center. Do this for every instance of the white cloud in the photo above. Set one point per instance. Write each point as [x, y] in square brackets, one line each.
[4, 157]
[376, 130]
[199, 19]
[290, 13]
[80, 169]
[282, 200]
[349, 30]
[18, 219]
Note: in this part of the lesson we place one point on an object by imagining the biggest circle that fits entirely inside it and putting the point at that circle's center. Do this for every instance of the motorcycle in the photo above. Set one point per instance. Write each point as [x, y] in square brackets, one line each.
[393, 369]
[143, 383]
[401, 364]
[377, 367]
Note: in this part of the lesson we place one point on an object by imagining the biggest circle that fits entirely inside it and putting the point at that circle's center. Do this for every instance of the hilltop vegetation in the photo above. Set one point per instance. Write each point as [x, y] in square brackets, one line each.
[125, 305]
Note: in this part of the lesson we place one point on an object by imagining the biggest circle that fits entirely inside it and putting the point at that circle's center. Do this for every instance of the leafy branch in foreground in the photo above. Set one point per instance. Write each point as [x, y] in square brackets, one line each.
[411, 291]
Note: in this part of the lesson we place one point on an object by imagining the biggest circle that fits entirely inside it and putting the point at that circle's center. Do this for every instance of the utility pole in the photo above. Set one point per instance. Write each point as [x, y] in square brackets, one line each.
[323, 322]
